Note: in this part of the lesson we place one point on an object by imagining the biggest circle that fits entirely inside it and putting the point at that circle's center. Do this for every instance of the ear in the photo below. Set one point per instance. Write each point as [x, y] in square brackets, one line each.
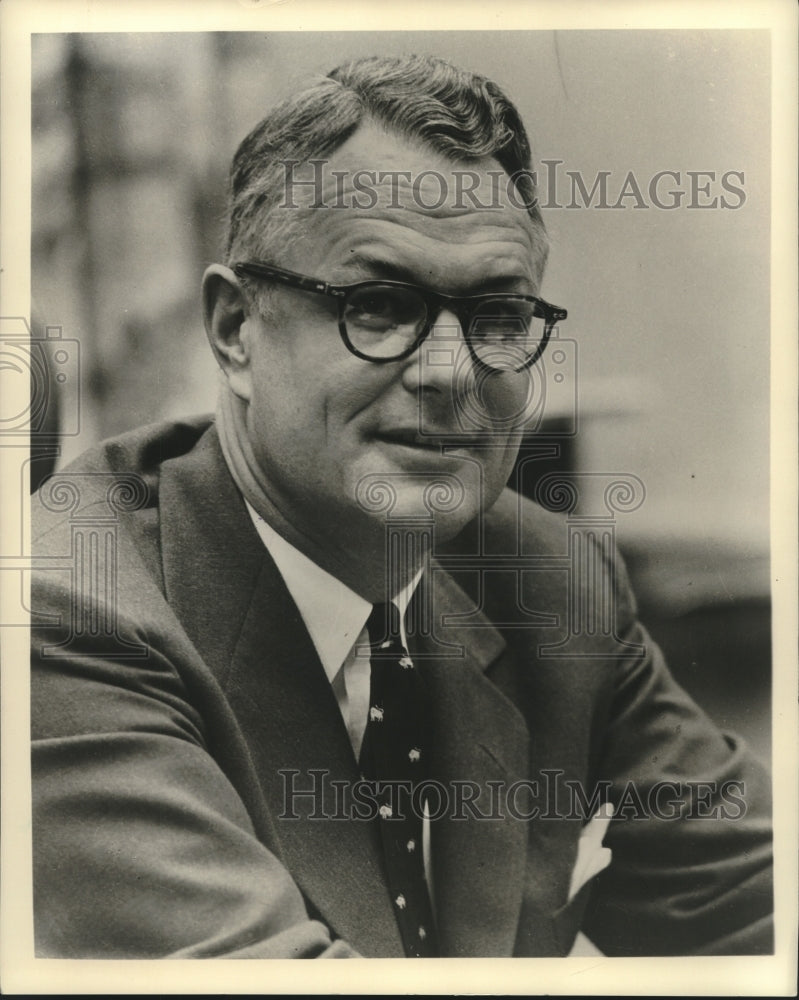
[226, 311]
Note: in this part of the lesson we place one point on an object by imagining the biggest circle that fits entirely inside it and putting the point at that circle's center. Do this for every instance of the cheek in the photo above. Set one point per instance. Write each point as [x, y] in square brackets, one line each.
[309, 414]
[505, 401]
[283, 420]
[283, 382]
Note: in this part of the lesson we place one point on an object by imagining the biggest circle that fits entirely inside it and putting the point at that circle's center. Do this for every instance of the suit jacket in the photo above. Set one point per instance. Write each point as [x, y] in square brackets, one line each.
[179, 711]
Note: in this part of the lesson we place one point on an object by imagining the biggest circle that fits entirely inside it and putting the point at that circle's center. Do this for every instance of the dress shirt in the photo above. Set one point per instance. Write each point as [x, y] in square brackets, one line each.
[335, 617]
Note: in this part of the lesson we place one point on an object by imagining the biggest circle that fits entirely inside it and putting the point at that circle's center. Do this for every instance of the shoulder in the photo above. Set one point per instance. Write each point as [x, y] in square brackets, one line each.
[117, 476]
[534, 528]
[99, 520]
[541, 573]
[100, 605]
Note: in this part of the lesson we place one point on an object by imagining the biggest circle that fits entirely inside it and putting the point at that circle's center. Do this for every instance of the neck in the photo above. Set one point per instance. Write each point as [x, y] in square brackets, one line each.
[367, 563]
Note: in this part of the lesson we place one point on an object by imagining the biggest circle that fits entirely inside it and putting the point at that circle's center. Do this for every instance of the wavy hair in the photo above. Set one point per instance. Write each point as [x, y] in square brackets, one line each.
[459, 114]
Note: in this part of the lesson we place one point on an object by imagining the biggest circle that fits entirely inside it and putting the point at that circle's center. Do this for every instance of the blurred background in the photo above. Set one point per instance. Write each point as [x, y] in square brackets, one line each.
[666, 344]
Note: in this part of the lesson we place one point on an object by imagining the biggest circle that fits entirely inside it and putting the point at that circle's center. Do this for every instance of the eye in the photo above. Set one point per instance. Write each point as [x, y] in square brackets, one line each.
[374, 303]
[503, 319]
[383, 307]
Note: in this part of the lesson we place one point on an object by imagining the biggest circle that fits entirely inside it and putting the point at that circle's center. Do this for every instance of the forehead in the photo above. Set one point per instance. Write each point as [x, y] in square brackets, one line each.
[381, 196]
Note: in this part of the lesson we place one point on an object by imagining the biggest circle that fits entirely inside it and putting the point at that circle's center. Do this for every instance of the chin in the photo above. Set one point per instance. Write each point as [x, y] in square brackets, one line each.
[441, 506]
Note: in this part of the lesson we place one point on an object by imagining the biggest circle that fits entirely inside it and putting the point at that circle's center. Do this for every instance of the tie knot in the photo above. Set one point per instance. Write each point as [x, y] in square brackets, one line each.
[384, 625]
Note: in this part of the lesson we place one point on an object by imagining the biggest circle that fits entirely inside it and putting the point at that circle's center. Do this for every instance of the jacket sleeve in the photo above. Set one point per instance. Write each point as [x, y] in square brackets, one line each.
[692, 860]
[142, 846]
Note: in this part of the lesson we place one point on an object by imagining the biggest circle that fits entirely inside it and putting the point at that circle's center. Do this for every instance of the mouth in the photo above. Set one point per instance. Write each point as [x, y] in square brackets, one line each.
[432, 442]
[410, 439]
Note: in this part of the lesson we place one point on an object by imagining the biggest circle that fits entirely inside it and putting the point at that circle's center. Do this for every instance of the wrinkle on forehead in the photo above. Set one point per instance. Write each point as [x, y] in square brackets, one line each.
[407, 180]
[458, 251]
[472, 252]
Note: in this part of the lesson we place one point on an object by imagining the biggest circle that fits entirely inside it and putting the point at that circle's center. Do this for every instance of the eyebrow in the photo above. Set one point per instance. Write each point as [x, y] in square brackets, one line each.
[391, 271]
[379, 267]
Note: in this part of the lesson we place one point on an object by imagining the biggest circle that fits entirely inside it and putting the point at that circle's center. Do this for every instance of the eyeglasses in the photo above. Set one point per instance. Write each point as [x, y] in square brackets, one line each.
[385, 321]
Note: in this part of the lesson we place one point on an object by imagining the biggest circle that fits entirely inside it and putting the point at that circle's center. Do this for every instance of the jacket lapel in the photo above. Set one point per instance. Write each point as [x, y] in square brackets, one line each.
[495, 733]
[286, 707]
[479, 738]
[232, 601]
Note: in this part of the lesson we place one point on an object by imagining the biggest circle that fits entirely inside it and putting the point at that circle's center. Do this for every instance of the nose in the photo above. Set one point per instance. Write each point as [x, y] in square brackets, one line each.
[443, 360]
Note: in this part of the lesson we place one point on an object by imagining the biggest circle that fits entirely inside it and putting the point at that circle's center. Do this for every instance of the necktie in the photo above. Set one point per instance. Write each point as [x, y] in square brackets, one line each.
[393, 755]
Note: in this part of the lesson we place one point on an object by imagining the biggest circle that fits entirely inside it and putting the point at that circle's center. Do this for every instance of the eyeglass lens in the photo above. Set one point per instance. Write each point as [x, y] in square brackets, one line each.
[384, 322]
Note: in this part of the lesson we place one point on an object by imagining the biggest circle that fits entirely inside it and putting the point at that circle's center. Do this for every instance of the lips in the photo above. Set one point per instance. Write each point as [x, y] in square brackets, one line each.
[410, 439]
[432, 441]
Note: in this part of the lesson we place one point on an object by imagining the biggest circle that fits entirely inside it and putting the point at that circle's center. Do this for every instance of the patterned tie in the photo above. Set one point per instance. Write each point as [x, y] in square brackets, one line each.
[394, 751]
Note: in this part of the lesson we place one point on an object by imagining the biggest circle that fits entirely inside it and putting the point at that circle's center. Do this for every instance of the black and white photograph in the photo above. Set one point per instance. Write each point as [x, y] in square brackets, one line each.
[396, 449]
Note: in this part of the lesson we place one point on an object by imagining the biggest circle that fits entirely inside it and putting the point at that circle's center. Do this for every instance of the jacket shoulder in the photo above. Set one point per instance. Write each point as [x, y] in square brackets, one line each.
[119, 475]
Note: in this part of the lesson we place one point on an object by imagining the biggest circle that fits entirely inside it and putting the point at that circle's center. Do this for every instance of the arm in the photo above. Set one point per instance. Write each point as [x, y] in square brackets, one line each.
[691, 871]
[616, 724]
[142, 845]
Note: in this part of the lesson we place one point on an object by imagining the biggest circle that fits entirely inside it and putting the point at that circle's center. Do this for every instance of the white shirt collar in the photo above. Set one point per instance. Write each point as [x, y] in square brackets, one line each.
[333, 614]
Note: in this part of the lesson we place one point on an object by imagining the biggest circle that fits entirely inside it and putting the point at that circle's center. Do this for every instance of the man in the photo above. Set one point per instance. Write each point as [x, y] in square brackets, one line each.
[311, 684]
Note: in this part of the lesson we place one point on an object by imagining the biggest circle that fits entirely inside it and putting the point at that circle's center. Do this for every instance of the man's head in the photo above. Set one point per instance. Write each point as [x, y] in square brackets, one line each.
[328, 430]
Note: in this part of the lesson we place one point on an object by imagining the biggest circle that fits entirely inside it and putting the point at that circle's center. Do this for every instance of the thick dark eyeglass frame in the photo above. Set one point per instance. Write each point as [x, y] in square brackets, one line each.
[463, 307]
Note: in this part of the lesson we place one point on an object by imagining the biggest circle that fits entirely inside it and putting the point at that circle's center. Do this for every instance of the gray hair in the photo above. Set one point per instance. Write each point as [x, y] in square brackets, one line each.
[459, 114]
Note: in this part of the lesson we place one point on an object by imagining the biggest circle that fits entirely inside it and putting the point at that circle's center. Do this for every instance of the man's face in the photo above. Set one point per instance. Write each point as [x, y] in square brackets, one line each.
[333, 433]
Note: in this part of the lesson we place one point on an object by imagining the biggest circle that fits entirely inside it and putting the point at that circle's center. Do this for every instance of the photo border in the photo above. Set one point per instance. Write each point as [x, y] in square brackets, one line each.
[762, 975]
